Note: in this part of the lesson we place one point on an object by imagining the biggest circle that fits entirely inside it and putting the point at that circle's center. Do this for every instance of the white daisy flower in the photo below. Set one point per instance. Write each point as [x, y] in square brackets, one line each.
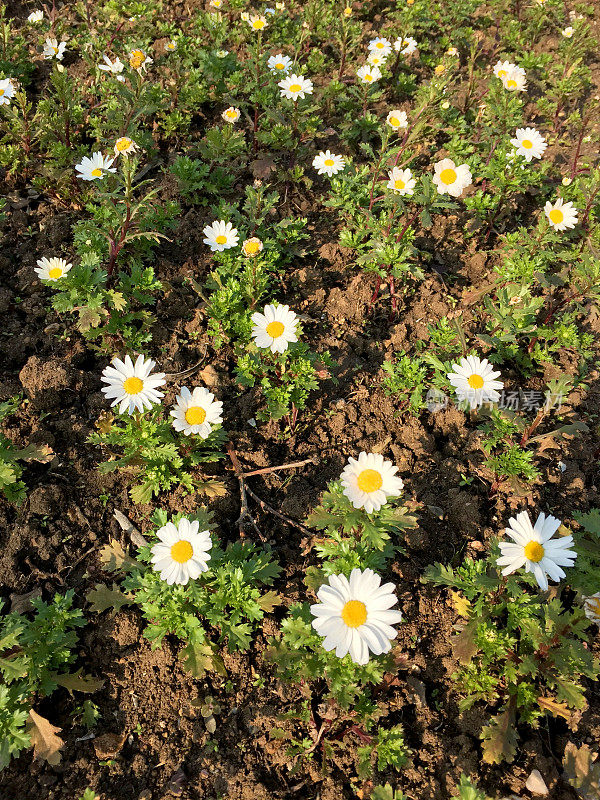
[568, 32]
[452, 51]
[397, 119]
[515, 80]
[275, 328]
[368, 74]
[561, 215]
[52, 269]
[529, 143]
[534, 548]
[114, 67]
[54, 49]
[502, 68]
[591, 606]
[245, 16]
[380, 45]
[139, 61]
[375, 60]
[257, 23]
[401, 181]
[355, 616]
[252, 247]
[131, 385]
[216, 3]
[222, 53]
[7, 91]
[96, 167]
[369, 480]
[279, 64]
[220, 235]
[450, 179]
[35, 17]
[196, 412]
[474, 381]
[182, 552]
[171, 46]
[295, 86]
[326, 163]
[405, 45]
[124, 146]
[231, 115]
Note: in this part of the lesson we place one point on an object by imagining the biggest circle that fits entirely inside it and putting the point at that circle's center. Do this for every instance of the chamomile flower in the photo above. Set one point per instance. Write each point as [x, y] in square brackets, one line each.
[196, 412]
[182, 552]
[216, 3]
[220, 235]
[94, 168]
[591, 606]
[514, 80]
[326, 163]
[7, 91]
[170, 46]
[375, 60]
[257, 23]
[279, 64]
[54, 49]
[452, 51]
[368, 74]
[275, 328]
[138, 60]
[405, 45]
[529, 143]
[295, 87]
[381, 46]
[568, 32]
[131, 386]
[401, 181]
[397, 119]
[369, 480]
[124, 146]
[502, 68]
[355, 616]
[347, 12]
[115, 67]
[231, 115]
[451, 179]
[51, 269]
[474, 381]
[35, 17]
[252, 247]
[534, 548]
[245, 16]
[562, 216]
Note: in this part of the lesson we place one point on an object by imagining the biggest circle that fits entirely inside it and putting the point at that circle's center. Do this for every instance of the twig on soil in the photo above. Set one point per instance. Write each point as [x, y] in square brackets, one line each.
[246, 491]
[183, 372]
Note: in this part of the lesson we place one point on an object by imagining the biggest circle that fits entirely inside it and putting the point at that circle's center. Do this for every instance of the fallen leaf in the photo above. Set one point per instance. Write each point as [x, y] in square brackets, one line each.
[582, 770]
[464, 646]
[21, 603]
[554, 707]
[102, 598]
[461, 604]
[261, 168]
[211, 488]
[499, 738]
[114, 558]
[268, 601]
[46, 744]
[76, 682]
[109, 745]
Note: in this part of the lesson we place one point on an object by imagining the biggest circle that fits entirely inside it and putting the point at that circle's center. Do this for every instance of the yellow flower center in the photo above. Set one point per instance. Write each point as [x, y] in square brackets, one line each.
[97, 172]
[295, 87]
[181, 551]
[556, 216]
[55, 49]
[252, 248]
[195, 415]
[279, 65]
[137, 58]
[55, 273]
[354, 613]
[527, 144]
[221, 239]
[394, 122]
[534, 552]
[275, 329]
[399, 184]
[502, 73]
[123, 144]
[133, 385]
[329, 162]
[1, 92]
[380, 45]
[369, 480]
[368, 78]
[231, 114]
[440, 69]
[511, 84]
[475, 381]
[258, 24]
[448, 176]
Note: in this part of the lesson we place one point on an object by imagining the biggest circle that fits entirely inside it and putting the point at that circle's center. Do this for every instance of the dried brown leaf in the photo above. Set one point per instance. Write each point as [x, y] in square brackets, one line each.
[46, 744]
